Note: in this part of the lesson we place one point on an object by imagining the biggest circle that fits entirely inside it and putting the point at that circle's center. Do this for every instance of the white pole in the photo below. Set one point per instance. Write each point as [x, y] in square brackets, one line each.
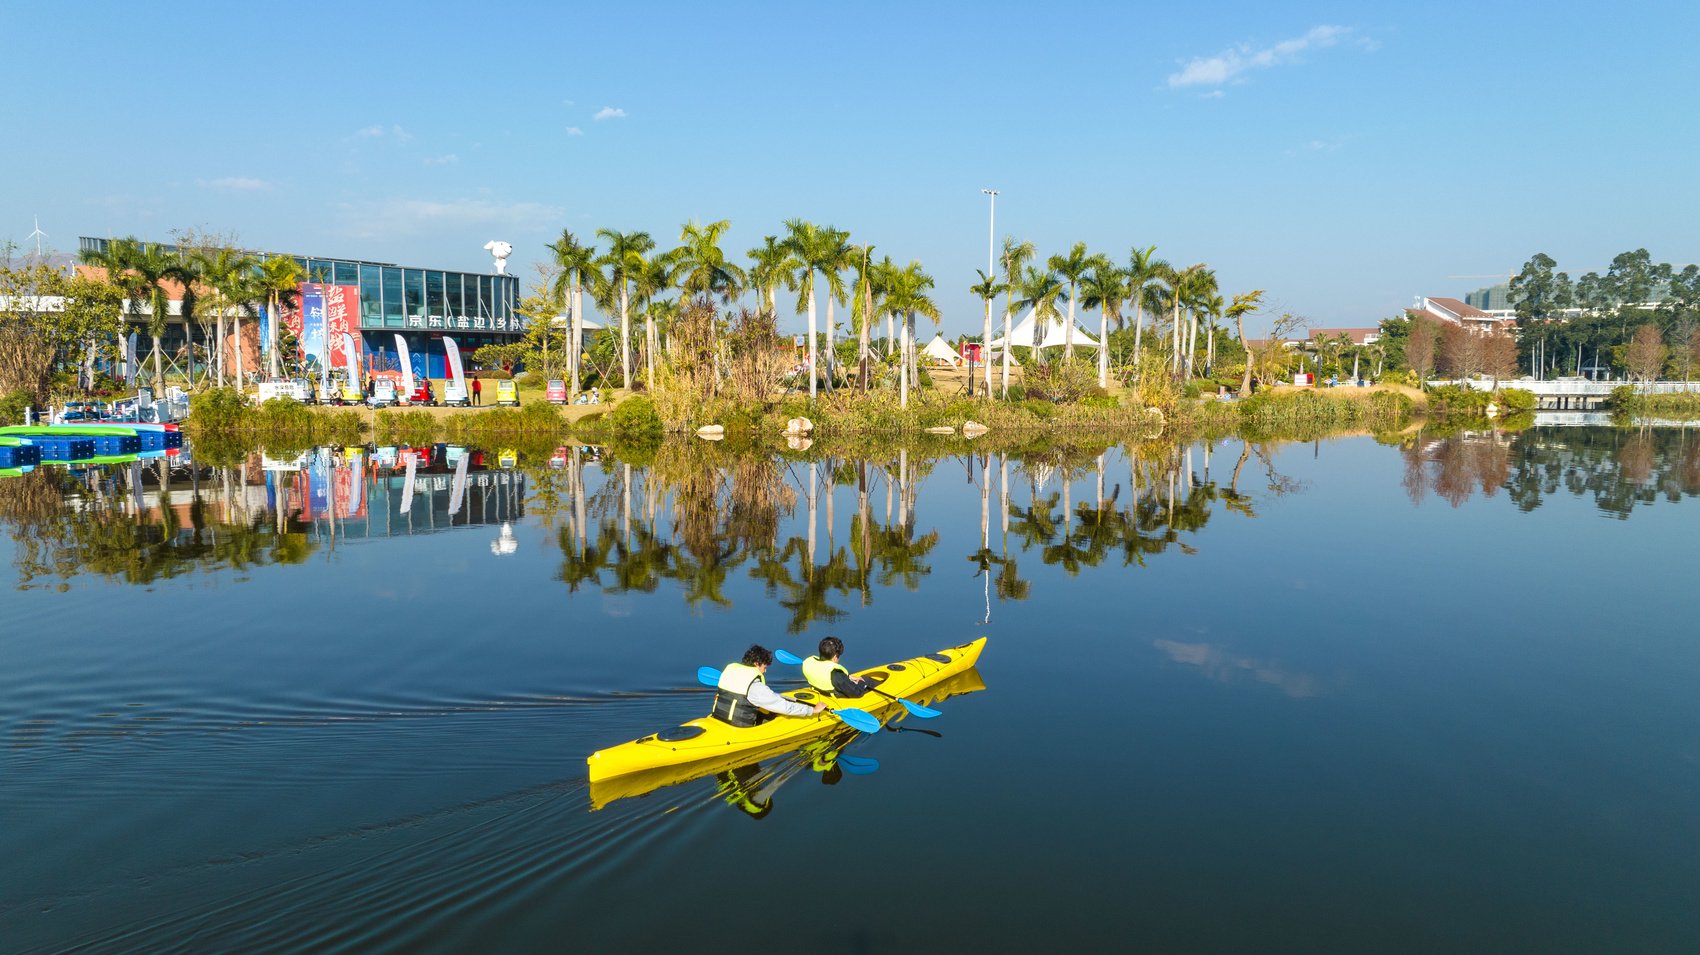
[991, 245]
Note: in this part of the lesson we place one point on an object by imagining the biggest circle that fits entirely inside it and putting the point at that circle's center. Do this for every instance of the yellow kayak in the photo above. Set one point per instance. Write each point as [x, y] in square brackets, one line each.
[644, 781]
[708, 738]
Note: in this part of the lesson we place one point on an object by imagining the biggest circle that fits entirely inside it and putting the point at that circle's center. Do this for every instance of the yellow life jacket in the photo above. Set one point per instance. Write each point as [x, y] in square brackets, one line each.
[819, 673]
[732, 696]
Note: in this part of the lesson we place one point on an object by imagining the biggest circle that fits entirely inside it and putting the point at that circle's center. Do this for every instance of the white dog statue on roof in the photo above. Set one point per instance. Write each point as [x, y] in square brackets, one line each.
[501, 250]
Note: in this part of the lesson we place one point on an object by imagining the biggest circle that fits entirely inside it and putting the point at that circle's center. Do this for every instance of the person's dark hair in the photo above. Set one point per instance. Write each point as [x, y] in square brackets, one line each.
[757, 656]
[830, 647]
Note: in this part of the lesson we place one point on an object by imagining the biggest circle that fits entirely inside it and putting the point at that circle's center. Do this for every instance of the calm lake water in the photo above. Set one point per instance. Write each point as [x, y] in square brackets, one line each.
[1330, 696]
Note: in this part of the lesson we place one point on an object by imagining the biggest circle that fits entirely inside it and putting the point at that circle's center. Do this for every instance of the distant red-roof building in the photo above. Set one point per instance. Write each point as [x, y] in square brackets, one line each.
[1359, 336]
[1454, 312]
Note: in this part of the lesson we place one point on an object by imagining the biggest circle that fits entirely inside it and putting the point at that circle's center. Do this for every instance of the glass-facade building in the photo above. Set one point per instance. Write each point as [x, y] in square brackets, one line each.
[420, 304]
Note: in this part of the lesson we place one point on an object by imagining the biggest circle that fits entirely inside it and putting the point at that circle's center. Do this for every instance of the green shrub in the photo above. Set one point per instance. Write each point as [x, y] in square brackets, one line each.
[635, 419]
[12, 406]
[1513, 400]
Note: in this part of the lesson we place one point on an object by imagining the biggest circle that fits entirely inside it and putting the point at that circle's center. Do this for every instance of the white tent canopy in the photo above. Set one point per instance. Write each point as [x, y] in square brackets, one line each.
[939, 350]
[1053, 334]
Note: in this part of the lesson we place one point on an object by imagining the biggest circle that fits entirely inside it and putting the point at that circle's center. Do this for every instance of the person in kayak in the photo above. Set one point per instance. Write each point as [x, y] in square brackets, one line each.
[742, 697]
[826, 674]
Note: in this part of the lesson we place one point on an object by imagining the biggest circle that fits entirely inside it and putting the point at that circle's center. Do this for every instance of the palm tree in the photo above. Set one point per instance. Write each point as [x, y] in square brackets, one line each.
[771, 265]
[988, 289]
[840, 256]
[654, 277]
[1106, 288]
[1015, 258]
[1144, 270]
[699, 265]
[1237, 310]
[141, 270]
[815, 249]
[279, 283]
[622, 261]
[1040, 290]
[907, 297]
[1072, 267]
[1212, 308]
[862, 309]
[1200, 284]
[578, 268]
[229, 274]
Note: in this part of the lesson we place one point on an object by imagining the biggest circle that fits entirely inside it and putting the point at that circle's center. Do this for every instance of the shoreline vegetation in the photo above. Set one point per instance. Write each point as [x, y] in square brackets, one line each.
[636, 419]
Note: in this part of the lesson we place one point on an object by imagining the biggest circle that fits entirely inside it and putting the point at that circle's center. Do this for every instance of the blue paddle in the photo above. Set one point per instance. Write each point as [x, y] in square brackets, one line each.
[858, 765]
[858, 719]
[915, 709]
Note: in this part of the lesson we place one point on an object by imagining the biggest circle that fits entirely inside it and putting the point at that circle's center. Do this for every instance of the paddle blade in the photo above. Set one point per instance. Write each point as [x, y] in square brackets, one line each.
[858, 765]
[708, 676]
[787, 657]
[916, 709]
[860, 719]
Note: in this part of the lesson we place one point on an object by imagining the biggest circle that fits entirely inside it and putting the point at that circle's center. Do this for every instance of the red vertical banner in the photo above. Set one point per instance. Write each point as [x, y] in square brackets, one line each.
[342, 317]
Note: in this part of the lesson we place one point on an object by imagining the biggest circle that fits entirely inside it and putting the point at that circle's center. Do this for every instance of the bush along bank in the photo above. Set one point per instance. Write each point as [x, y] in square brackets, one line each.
[1628, 400]
[224, 412]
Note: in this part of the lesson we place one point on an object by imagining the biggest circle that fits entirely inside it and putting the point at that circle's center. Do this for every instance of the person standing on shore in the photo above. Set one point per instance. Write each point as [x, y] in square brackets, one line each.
[477, 391]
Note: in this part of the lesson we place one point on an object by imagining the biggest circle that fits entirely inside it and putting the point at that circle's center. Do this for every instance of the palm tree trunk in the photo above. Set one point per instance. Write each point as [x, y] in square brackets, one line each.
[241, 365]
[903, 365]
[828, 348]
[1006, 344]
[158, 368]
[986, 349]
[649, 350]
[625, 339]
[274, 315]
[1103, 348]
[814, 366]
[862, 342]
[578, 338]
[1068, 334]
[890, 336]
[1138, 331]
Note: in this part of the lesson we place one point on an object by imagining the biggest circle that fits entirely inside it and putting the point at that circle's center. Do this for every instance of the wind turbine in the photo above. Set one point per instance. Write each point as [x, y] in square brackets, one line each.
[37, 235]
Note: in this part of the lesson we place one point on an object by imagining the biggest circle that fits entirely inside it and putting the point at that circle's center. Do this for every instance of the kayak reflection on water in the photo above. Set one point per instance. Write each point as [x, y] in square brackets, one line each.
[750, 789]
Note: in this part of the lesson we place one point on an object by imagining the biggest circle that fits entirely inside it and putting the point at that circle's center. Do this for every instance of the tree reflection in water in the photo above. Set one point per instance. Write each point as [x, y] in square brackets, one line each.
[139, 523]
[1618, 469]
[695, 513]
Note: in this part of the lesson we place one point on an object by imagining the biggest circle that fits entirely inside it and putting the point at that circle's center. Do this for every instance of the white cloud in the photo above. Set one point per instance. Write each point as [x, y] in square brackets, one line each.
[379, 131]
[1228, 65]
[574, 131]
[393, 218]
[609, 112]
[234, 183]
[444, 160]
[568, 102]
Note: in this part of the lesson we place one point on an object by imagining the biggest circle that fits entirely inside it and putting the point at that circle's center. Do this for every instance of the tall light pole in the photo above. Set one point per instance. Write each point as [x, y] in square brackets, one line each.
[986, 332]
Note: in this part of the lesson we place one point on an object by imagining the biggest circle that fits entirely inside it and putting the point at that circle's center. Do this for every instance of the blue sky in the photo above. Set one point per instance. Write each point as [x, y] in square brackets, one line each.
[1341, 156]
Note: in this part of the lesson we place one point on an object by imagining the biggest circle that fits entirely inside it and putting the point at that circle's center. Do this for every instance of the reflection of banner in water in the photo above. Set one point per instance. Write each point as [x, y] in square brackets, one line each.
[318, 491]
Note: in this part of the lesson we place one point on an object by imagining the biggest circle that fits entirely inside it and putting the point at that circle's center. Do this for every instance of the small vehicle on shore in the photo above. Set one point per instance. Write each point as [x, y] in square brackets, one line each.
[507, 393]
[383, 394]
[555, 392]
[454, 394]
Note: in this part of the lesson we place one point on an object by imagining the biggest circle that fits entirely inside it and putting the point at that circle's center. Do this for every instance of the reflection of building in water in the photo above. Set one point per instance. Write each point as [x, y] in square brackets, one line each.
[341, 493]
